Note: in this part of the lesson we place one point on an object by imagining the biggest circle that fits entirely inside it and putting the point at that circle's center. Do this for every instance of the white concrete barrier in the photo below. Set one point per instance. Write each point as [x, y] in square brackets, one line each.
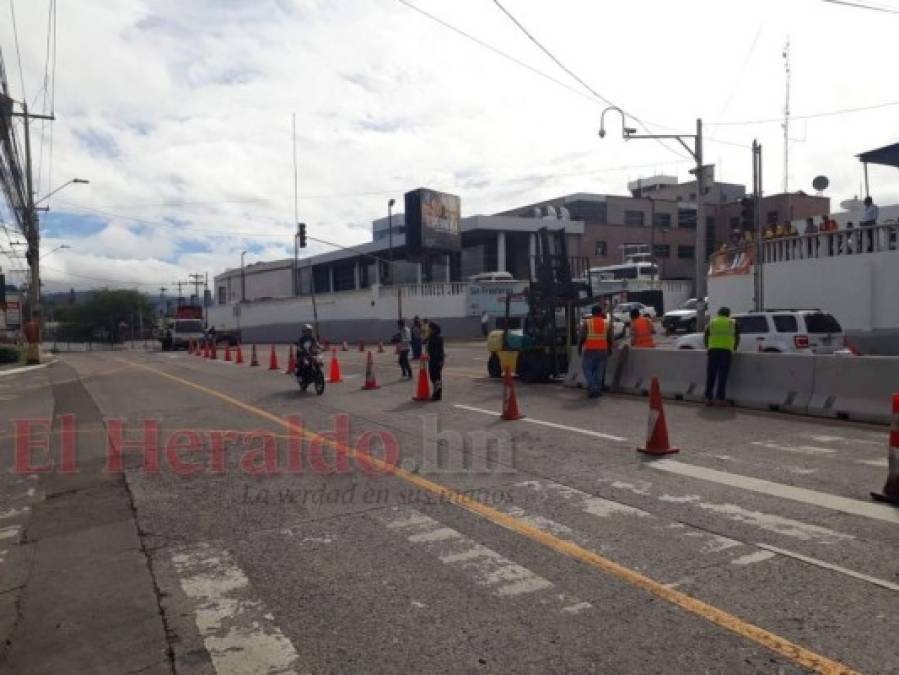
[681, 372]
[856, 388]
[772, 381]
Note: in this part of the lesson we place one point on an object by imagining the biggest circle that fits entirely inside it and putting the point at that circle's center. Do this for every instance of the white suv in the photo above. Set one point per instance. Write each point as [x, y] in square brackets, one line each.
[808, 331]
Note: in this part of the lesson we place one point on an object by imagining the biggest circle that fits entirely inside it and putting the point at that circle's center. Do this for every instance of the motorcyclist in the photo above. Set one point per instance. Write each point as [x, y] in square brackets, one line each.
[307, 346]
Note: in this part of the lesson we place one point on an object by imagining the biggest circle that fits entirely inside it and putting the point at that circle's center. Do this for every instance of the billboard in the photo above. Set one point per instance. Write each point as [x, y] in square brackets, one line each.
[13, 311]
[433, 221]
[490, 297]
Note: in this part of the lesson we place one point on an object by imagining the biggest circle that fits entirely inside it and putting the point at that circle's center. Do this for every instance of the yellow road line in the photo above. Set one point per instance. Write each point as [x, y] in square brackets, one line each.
[794, 652]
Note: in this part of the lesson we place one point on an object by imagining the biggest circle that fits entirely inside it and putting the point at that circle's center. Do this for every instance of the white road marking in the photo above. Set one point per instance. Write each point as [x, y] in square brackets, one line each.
[752, 558]
[830, 566]
[595, 506]
[9, 532]
[799, 449]
[873, 462]
[543, 423]
[16, 371]
[488, 568]
[854, 507]
[239, 633]
[834, 439]
[12, 513]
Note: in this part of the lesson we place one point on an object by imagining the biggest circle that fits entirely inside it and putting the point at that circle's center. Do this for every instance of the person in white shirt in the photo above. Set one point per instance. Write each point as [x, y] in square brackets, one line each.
[869, 219]
[485, 322]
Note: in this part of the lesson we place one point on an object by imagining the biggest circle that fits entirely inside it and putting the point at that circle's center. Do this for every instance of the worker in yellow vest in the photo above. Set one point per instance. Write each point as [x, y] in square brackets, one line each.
[595, 346]
[641, 330]
[721, 340]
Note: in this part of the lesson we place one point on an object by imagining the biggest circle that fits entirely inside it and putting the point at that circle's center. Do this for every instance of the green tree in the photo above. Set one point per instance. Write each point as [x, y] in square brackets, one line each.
[106, 314]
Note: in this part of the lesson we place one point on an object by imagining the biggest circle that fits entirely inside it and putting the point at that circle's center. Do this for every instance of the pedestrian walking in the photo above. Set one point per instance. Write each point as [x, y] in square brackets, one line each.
[721, 339]
[594, 347]
[436, 357]
[403, 344]
[416, 338]
[485, 322]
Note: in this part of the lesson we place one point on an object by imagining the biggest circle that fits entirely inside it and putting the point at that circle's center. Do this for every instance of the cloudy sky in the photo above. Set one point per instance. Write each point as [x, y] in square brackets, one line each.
[179, 112]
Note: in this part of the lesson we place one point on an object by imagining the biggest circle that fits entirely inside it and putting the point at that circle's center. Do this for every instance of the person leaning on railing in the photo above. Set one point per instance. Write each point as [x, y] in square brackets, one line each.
[868, 221]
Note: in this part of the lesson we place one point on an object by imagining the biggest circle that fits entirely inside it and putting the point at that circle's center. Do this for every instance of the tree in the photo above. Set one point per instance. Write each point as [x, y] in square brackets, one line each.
[106, 314]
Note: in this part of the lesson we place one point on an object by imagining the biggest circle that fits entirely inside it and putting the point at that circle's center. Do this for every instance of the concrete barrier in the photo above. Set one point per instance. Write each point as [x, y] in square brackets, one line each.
[681, 372]
[772, 381]
[856, 388]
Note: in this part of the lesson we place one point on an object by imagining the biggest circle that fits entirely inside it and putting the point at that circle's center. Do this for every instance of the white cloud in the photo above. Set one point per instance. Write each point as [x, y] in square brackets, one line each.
[163, 101]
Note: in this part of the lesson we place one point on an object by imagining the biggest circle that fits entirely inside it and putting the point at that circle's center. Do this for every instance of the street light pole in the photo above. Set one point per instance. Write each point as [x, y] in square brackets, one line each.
[629, 133]
[243, 279]
[399, 291]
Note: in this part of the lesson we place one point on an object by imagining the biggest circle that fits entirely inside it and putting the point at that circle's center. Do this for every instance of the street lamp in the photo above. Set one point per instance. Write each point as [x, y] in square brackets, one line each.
[58, 248]
[74, 181]
[390, 204]
[696, 152]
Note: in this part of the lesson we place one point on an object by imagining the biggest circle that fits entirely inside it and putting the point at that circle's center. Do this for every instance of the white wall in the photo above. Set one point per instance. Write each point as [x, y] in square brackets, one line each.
[860, 290]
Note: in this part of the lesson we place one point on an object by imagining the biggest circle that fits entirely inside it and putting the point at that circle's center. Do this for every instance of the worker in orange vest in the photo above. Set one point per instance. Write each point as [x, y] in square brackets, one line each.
[595, 346]
[641, 330]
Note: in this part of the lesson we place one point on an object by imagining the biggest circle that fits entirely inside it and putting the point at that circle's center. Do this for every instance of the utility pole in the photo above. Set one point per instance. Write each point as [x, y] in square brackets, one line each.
[758, 270]
[629, 133]
[196, 280]
[180, 284]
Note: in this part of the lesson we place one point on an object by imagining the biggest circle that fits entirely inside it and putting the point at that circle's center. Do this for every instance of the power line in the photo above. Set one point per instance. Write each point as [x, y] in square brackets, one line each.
[860, 5]
[15, 32]
[578, 79]
[153, 284]
[828, 113]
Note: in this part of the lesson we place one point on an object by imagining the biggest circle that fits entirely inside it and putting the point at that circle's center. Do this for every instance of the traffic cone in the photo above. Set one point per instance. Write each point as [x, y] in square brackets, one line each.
[380, 346]
[423, 391]
[213, 352]
[334, 377]
[200, 349]
[228, 353]
[253, 360]
[291, 362]
[657, 430]
[238, 359]
[324, 344]
[346, 347]
[510, 400]
[361, 346]
[206, 350]
[370, 382]
[272, 359]
[890, 492]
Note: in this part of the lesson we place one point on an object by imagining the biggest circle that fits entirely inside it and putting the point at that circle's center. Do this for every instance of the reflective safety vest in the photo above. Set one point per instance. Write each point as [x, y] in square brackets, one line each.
[641, 332]
[722, 333]
[596, 334]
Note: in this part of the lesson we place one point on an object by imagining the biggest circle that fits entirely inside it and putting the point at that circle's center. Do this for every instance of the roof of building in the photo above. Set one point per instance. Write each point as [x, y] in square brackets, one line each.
[888, 155]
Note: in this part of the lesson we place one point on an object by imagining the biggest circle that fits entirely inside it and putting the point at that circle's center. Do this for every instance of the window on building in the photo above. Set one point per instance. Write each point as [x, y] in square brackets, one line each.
[686, 252]
[322, 278]
[588, 211]
[633, 218]
[223, 295]
[686, 219]
[662, 251]
[771, 218]
[663, 220]
[600, 250]
[344, 276]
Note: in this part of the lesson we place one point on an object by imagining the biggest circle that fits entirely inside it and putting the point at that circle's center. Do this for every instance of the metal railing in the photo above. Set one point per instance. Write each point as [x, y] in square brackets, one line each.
[857, 241]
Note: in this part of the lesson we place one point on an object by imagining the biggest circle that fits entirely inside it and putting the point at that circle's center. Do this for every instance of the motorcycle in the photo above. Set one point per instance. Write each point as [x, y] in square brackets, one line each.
[311, 370]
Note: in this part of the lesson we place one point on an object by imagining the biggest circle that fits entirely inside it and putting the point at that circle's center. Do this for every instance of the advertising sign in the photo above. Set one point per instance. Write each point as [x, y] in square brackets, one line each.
[13, 311]
[732, 261]
[433, 221]
[490, 296]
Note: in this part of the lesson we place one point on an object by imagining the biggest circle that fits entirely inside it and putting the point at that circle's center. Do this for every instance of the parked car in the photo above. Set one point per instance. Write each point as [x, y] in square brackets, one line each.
[788, 331]
[683, 318]
[622, 311]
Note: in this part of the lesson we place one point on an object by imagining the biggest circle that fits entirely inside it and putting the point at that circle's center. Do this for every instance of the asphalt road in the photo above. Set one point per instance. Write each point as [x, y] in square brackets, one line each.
[439, 539]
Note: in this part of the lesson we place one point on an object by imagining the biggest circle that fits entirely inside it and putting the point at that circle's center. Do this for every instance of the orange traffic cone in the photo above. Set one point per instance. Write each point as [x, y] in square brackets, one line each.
[510, 400]
[890, 492]
[273, 359]
[253, 360]
[423, 391]
[361, 346]
[380, 346]
[228, 353]
[370, 382]
[334, 377]
[657, 430]
[291, 362]
[238, 359]
[213, 352]
[200, 349]
[205, 353]
[346, 347]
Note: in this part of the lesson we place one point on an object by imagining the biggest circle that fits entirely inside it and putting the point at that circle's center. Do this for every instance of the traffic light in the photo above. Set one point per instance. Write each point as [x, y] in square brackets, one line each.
[301, 232]
[747, 214]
